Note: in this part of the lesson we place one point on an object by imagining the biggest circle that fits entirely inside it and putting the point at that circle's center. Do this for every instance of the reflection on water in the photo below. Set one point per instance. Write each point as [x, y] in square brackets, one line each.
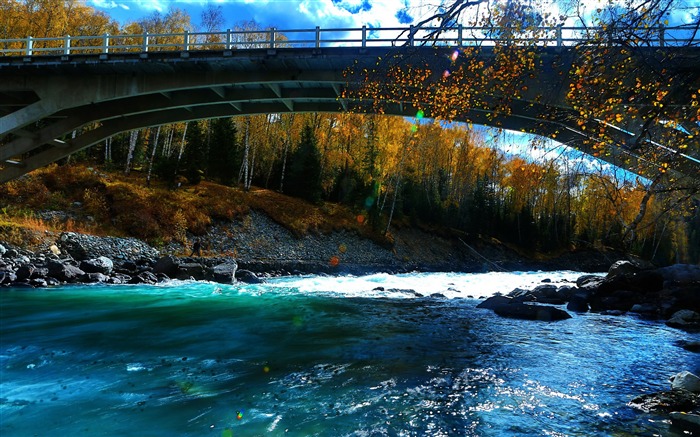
[302, 356]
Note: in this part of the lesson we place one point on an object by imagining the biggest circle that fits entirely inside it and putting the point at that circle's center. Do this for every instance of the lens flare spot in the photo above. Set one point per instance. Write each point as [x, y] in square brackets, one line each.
[455, 55]
[334, 261]
[369, 201]
[228, 432]
[360, 219]
[414, 128]
[446, 74]
[239, 415]
[266, 369]
[298, 321]
[420, 114]
[342, 248]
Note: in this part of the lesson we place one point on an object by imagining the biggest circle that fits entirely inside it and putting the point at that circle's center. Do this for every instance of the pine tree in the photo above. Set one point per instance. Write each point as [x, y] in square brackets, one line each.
[193, 156]
[304, 177]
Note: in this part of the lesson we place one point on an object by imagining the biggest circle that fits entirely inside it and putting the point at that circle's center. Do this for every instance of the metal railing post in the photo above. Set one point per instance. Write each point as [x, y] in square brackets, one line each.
[30, 46]
[459, 36]
[364, 36]
[105, 43]
[411, 35]
[145, 42]
[318, 37]
[229, 39]
[272, 38]
[186, 41]
[662, 36]
[560, 40]
[66, 45]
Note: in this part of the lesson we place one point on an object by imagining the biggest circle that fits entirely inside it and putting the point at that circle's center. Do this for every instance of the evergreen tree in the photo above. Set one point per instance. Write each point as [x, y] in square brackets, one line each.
[193, 161]
[222, 151]
[304, 176]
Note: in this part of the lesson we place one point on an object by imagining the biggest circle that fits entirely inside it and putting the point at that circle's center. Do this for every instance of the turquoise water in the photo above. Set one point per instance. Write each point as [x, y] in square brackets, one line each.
[322, 356]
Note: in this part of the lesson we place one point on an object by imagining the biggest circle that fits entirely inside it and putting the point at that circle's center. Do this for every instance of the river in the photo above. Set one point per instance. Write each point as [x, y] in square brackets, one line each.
[325, 356]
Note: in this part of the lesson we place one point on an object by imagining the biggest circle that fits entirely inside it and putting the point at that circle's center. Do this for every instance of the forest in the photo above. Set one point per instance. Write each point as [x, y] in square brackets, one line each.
[389, 169]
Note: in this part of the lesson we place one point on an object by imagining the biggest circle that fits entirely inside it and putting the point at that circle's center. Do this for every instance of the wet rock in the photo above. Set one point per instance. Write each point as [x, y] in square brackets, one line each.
[589, 282]
[686, 422]
[685, 381]
[190, 270]
[646, 309]
[685, 319]
[692, 346]
[225, 273]
[681, 273]
[64, 272]
[531, 312]
[622, 267]
[24, 272]
[248, 277]
[494, 302]
[100, 264]
[167, 265]
[38, 282]
[95, 277]
[578, 303]
[144, 278]
[666, 401]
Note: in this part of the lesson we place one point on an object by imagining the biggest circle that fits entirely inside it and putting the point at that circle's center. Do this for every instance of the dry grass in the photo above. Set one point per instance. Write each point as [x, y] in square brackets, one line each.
[122, 205]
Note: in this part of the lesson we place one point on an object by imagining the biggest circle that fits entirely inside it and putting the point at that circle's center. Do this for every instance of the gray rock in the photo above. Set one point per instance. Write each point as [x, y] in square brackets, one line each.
[167, 265]
[531, 312]
[666, 401]
[578, 303]
[685, 381]
[100, 264]
[190, 271]
[681, 273]
[144, 278]
[644, 308]
[687, 422]
[685, 319]
[225, 273]
[248, 277]
[494, 301]
[622, 267]
[24, 272]
[64, 272]
[95, 277]
[3, 249]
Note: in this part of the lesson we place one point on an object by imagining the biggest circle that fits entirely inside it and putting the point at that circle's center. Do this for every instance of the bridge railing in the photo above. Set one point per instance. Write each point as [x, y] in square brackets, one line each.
[458, 36]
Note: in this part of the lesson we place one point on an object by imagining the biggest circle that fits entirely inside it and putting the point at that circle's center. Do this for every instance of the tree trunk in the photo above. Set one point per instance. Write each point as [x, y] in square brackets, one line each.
[243, 172]
[153, 155]
[133, 137]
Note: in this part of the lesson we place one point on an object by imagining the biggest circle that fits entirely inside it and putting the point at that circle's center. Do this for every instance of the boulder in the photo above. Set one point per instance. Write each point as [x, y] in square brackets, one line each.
[101, 264]
[166, 264]
[494, 301]
[622, 267]
[666, 401]
[578, 303]
[685, 381]
[95, 277]
[686, 422]
[531, 312]
[647, 309]
[25, 272]
[684, 319]
[225, 273]
[190, 270]
[248, 277]
[681, 273]
[589, 282]
[64, 272]
[144, 278]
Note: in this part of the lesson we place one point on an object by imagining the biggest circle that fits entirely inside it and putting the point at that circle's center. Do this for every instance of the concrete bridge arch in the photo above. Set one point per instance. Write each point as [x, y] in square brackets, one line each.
[44, 99]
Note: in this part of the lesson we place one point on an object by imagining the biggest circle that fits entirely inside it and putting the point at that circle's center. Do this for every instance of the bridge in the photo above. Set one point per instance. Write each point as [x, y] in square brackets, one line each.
[61, 95]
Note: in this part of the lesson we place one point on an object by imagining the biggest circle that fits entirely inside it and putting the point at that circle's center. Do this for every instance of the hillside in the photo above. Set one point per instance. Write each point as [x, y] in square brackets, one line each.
[262, 229]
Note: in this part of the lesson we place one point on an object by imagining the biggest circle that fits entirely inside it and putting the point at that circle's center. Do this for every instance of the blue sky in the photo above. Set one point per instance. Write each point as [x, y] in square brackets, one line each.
[283, 14]
[305, 14]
